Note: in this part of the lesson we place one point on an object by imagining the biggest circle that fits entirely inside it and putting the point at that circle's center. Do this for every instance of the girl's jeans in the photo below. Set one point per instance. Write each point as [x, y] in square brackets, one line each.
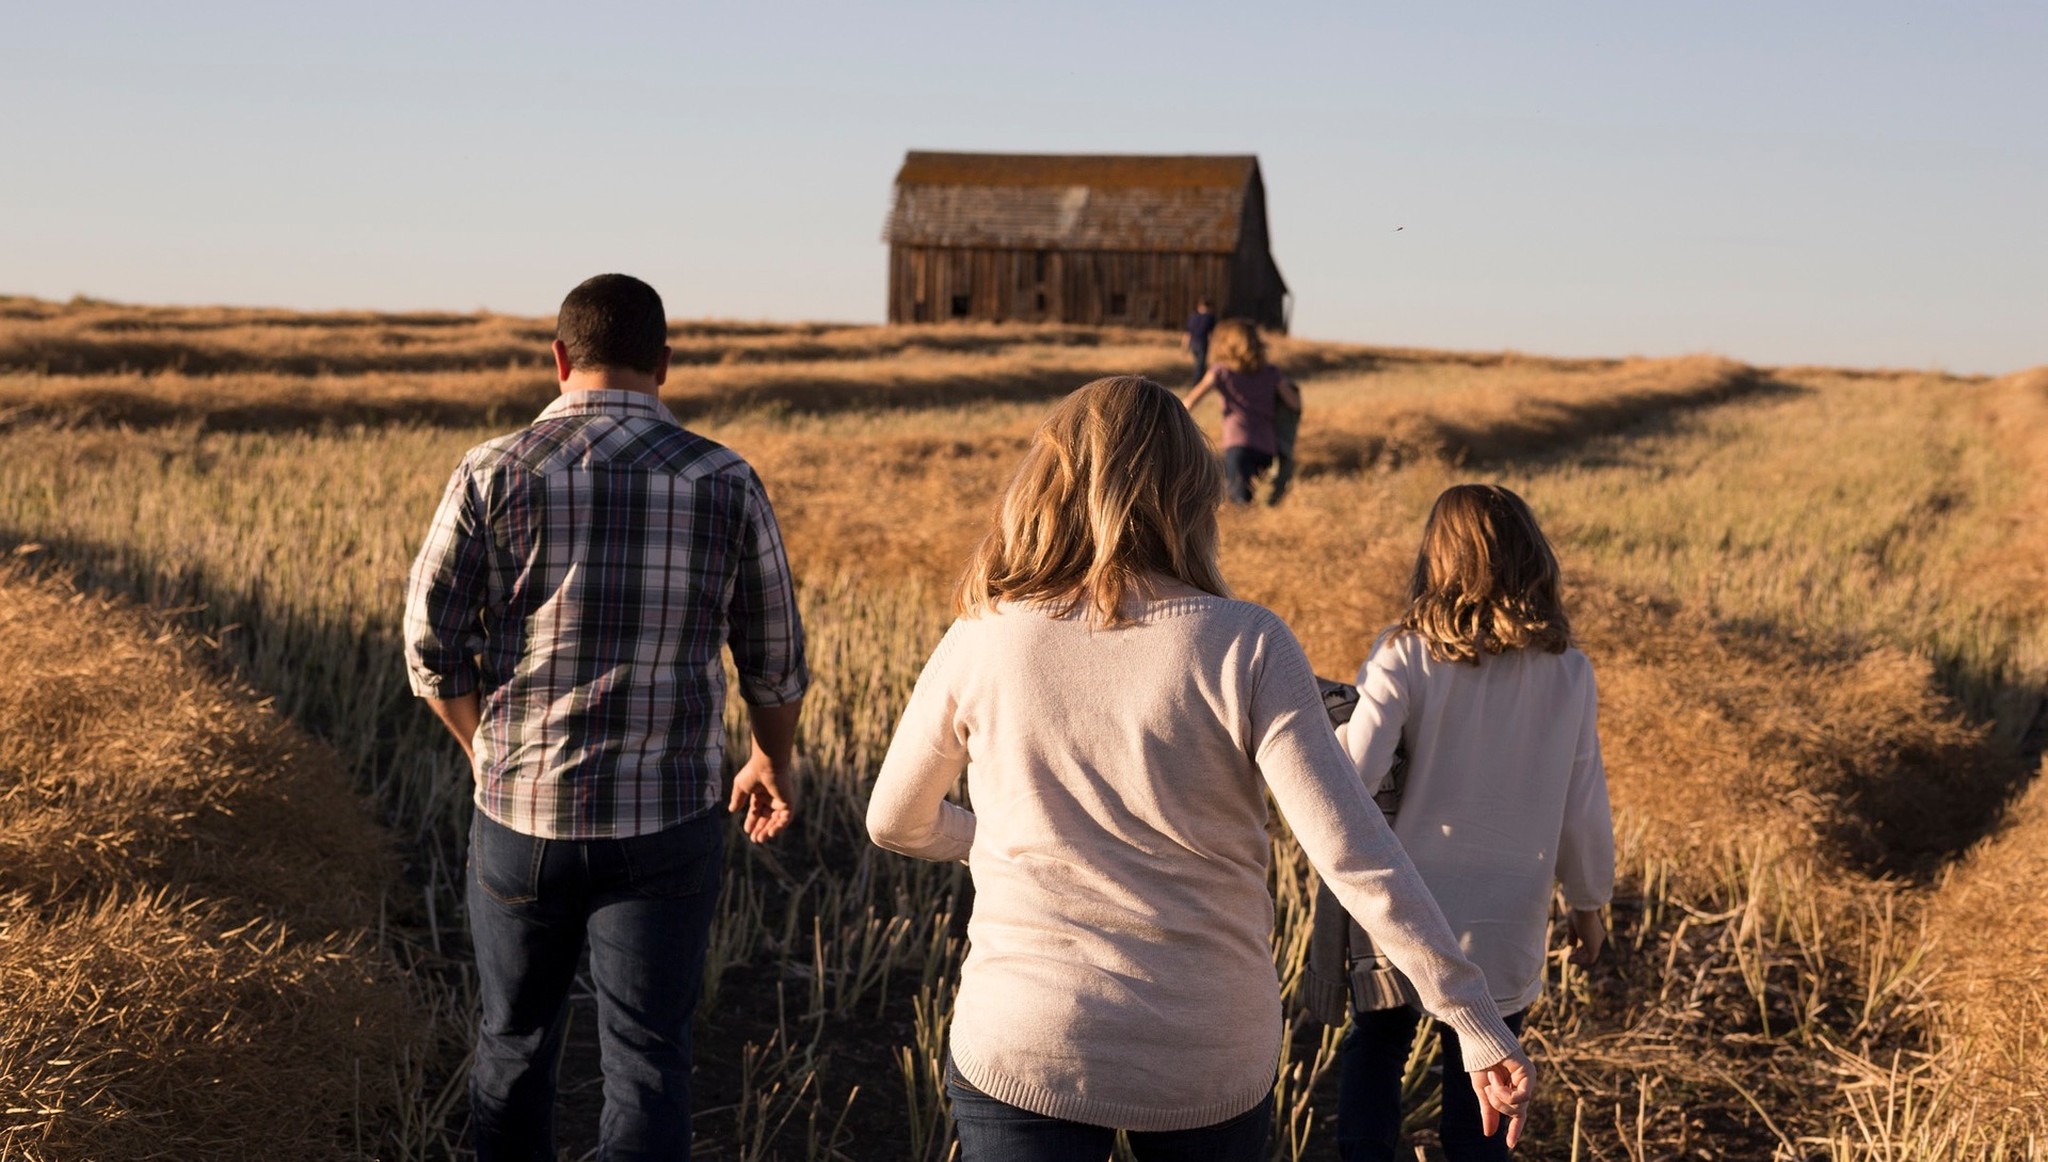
[1240, 464]
[1370, 1065]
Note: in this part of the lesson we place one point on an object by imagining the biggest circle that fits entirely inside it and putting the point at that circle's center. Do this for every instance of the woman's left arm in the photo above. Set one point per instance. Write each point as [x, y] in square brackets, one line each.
[908, 812]
[1348, 843]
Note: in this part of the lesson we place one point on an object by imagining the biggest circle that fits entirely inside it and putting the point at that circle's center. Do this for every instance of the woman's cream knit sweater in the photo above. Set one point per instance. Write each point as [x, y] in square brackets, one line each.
[1120, 966]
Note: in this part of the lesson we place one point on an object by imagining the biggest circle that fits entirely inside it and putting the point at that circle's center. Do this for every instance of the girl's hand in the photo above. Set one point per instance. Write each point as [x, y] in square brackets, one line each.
[1588, 935]
[1506, 1089]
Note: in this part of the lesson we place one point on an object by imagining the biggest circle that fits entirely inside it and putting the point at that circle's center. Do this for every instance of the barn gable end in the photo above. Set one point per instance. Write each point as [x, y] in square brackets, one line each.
[1097, 239]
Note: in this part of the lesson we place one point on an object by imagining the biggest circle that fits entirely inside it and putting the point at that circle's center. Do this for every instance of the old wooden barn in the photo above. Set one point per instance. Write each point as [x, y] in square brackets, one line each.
[1090, 238]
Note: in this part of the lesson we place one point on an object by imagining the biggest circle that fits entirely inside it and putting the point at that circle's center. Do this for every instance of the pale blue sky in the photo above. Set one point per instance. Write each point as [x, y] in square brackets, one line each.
[1780, 182]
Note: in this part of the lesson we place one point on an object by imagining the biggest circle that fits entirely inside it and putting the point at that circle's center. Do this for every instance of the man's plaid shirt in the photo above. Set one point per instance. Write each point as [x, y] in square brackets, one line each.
[583, 574]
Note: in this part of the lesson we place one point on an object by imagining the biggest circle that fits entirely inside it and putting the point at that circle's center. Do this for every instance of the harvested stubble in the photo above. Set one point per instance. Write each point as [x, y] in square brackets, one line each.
[1760, 616]
[1991, 945]
[190, 892]
[1990, 919]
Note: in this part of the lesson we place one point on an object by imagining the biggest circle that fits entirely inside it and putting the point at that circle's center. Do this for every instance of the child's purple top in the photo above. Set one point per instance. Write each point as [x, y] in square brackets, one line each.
[1248, 404]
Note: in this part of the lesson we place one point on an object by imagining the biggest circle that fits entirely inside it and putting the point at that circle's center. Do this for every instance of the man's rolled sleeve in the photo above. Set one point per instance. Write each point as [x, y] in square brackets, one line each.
[766, 631]
[444, 596]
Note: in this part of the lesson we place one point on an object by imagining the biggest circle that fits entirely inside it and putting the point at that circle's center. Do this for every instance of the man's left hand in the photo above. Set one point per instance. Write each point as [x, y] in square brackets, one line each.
[761, 789]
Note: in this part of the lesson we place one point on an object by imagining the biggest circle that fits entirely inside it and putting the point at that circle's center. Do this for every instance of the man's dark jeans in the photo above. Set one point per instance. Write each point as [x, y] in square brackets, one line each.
[644, 904]
[996, 1131]
[1370, 1064]
[1200, 354]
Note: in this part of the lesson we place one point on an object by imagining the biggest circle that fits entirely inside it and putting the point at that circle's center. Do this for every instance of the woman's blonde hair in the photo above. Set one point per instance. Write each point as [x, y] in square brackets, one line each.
[1118, 482]
[1486, 579]
[1238, 346]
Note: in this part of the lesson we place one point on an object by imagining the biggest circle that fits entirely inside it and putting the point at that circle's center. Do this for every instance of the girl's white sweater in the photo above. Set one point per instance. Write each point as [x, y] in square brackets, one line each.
[1120, 961]
[1504, 793]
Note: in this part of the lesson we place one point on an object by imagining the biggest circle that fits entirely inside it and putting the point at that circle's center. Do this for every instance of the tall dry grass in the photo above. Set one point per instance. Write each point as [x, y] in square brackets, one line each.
[191, 955]
[1802, 707]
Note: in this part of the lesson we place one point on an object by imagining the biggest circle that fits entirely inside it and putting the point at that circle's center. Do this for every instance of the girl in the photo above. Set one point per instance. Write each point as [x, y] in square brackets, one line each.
[1255, 397]
[1119, 719]
[1502, 793]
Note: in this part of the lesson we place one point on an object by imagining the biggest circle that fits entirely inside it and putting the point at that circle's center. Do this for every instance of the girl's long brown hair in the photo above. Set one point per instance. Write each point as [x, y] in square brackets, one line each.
[1238, 346]
[1486, 579]
[1117, 483]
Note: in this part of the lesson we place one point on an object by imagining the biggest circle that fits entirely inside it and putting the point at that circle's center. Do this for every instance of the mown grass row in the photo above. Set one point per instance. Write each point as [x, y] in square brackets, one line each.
[193, 898]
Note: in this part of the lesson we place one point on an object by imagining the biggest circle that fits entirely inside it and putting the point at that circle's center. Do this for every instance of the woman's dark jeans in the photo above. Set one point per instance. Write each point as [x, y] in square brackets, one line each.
[644, 904]
[1240, 465]
[996, 1131]
[1370, 1064]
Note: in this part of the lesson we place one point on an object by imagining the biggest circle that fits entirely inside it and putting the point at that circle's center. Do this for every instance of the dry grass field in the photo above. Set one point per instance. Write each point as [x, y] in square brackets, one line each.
[1814, 599]
[193, 901]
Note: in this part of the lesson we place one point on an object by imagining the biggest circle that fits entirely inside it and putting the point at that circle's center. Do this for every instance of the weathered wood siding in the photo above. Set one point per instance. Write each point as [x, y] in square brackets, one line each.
[1257, 291]
[938, 284]
[1078, 238]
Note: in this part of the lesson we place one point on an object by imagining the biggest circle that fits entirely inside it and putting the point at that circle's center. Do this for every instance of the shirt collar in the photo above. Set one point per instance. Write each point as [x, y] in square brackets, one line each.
[607, 402]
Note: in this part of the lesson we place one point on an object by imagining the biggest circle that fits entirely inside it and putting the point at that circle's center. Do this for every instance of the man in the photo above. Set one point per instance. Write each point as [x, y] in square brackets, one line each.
[564, 619]
[1195, 338]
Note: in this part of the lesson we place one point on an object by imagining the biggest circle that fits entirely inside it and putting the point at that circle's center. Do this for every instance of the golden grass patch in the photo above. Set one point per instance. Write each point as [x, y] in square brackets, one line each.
[191, 893]
[1990, 923]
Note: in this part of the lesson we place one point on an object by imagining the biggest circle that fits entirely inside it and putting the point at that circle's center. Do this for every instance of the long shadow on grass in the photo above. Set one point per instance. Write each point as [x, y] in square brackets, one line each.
[523, 391]
[1541, 427]
[523, 396]
[149, 344]
[1914, 794]
[1898, 763]
[517, 402]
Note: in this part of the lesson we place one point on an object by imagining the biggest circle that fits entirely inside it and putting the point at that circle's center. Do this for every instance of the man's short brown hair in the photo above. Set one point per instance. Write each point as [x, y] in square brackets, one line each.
[613, 320]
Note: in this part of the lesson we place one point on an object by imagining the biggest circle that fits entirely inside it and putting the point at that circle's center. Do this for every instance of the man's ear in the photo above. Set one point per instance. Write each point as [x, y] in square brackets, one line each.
[562, 366]
[661, 368]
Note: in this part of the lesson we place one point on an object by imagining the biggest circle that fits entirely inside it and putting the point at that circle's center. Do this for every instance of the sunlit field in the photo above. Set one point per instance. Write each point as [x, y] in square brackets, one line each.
[1816, 601]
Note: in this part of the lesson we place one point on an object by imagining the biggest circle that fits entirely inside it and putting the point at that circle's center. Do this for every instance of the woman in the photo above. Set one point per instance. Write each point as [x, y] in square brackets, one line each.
[1254, 392]
[1119, 719]
[1503, 797]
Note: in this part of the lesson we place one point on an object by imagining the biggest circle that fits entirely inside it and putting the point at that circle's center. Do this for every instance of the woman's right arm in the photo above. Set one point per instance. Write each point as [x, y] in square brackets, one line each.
[908, 812]
[1201, 389]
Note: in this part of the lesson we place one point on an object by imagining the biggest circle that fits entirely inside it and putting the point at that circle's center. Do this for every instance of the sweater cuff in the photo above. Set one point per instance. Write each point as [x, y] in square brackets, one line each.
[956, 826]
[1484, 1041]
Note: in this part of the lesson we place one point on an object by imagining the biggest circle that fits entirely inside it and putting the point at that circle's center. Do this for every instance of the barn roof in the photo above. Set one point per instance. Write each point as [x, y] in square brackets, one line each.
[1071, 201]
